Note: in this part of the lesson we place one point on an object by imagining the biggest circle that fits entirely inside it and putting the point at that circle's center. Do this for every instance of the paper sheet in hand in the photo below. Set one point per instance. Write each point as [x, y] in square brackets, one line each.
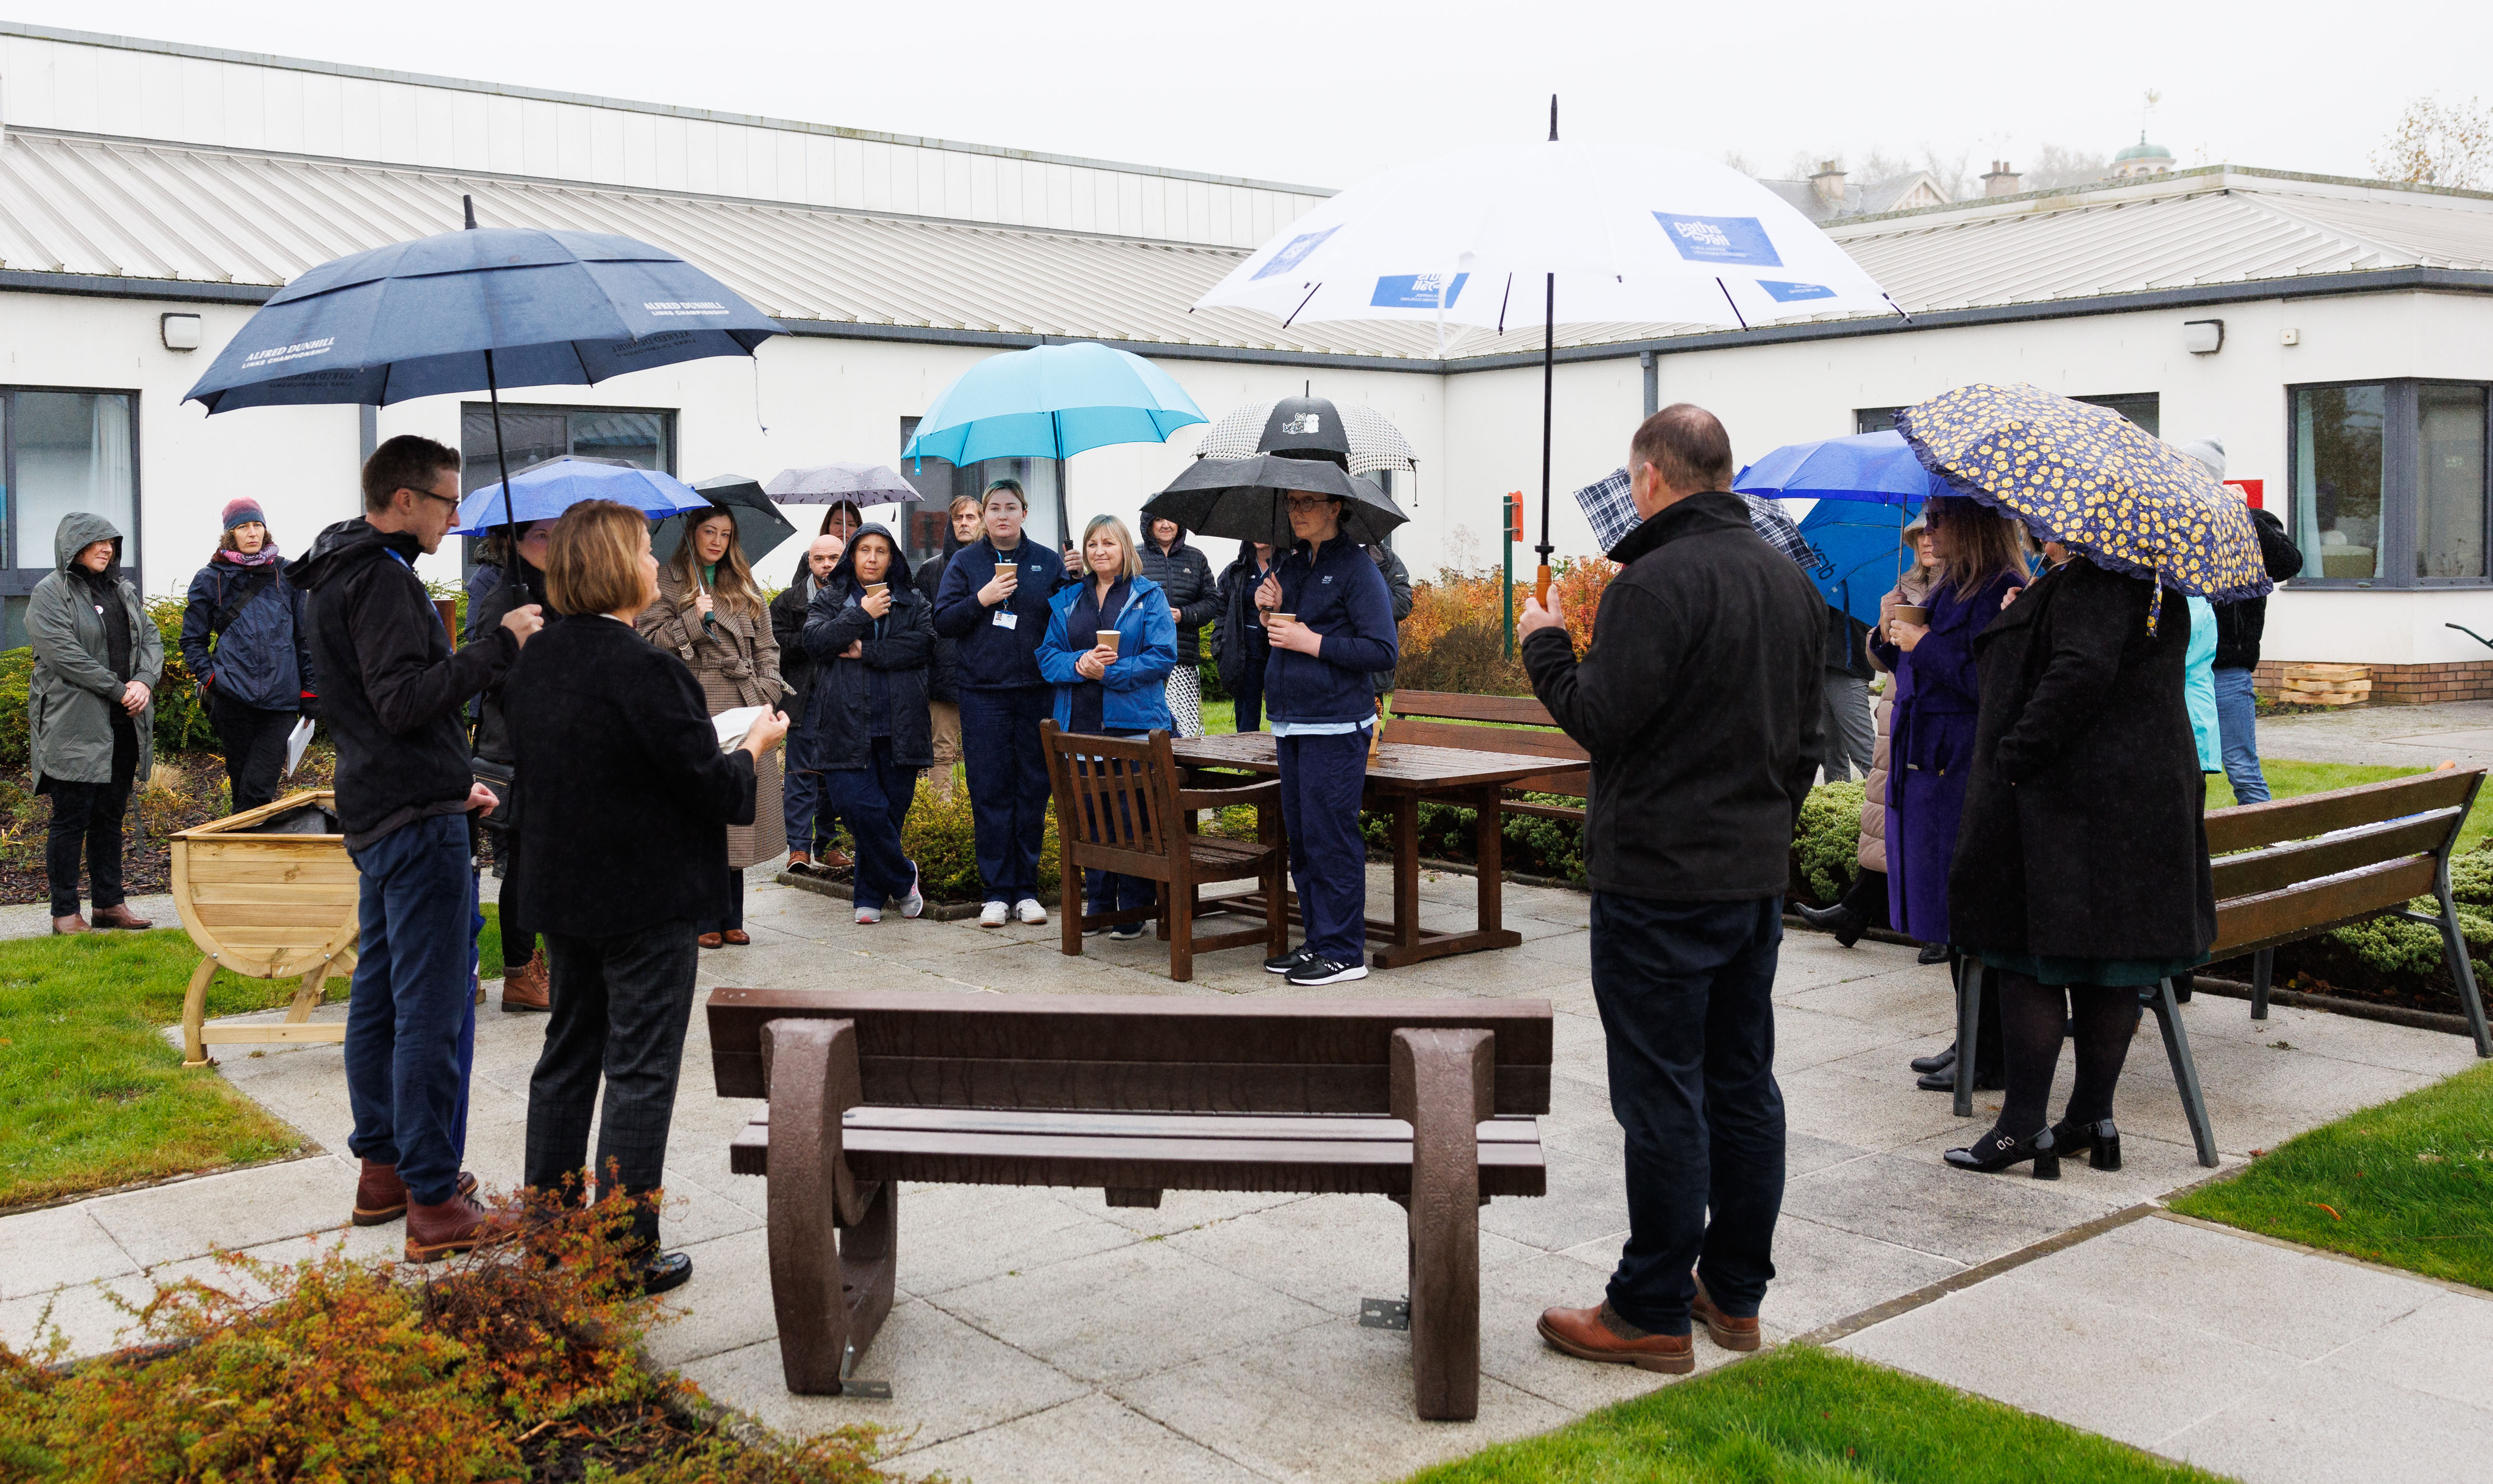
[733, 725]
[296, 742]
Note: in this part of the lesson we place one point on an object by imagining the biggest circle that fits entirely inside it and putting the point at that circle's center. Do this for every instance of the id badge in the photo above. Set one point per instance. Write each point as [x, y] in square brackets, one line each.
[1007, 618]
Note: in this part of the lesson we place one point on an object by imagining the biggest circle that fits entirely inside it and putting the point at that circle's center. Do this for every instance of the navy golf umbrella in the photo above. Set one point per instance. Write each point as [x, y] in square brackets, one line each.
[466, 311]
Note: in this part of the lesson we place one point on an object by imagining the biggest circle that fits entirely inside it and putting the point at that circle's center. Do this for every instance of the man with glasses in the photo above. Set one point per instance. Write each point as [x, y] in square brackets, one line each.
[393, 693]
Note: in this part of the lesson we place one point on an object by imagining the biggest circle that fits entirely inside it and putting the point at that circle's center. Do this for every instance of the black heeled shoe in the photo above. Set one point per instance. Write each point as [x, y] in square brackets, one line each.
[1842, 921]
[1996, 1151]
[2100, 1140]
[1933, 953]
[1938, 1063]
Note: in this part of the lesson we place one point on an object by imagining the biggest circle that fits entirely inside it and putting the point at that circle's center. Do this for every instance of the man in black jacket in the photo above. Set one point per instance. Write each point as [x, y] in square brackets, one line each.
[2240, 627]
[393, 692]
[1699, 703]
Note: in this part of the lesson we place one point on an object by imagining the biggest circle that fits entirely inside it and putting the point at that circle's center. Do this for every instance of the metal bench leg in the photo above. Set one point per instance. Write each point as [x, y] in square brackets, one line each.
[1968, 1029]
[1441, 1083]
[2186, 1072]
[2262, 970]
[825, 1307]
[2454, 951]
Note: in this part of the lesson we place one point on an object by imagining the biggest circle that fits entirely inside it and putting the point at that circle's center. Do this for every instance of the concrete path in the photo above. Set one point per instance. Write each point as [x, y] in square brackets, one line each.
[2401, 736]
[1039, 1332]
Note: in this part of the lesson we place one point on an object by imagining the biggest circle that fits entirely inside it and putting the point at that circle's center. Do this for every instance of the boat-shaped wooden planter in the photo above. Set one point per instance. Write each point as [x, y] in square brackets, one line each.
[268, 904]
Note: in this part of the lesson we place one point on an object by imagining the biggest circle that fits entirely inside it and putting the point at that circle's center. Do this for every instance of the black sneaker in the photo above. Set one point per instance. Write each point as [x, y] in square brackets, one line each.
[1125, 932]
[1323, 970]
[1288, 961]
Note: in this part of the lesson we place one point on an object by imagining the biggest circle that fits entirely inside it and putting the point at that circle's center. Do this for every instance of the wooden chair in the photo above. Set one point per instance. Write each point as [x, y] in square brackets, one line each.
[1119, 808]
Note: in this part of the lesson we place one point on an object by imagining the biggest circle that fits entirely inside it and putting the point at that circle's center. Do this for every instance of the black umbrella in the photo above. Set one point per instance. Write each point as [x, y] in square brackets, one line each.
[760, 528]
[1247, 500]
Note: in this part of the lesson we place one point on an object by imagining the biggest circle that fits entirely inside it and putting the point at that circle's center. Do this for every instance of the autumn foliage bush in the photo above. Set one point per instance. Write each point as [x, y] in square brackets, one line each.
[1454, 639]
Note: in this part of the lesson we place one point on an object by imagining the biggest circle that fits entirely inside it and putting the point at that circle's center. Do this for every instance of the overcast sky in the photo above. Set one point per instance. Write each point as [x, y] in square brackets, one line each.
[1324, 94]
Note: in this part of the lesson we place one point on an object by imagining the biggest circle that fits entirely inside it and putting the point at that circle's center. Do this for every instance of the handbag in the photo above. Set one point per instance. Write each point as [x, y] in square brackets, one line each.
[499, 782]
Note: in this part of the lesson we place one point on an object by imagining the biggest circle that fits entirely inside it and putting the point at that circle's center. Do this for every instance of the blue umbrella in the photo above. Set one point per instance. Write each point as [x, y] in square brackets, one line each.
[1052, 402]
[549, 489]
[462, 310]
[1872, 467]
[1856, 541]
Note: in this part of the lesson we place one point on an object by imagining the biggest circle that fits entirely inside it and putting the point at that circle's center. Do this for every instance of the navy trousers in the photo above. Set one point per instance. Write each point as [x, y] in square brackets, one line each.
[1008, 787]
[1109, 891]
[873, 801]
[1322, 778]
[411, 1013]
[800, 797]
[1249, 697]
[1683, 992]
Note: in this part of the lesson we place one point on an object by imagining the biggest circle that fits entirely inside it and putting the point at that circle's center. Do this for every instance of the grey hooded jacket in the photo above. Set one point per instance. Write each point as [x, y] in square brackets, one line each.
[73, 695]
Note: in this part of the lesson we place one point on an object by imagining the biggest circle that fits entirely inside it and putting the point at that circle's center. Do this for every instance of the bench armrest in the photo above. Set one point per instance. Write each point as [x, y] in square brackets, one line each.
[814, 1076]
[1266, 791]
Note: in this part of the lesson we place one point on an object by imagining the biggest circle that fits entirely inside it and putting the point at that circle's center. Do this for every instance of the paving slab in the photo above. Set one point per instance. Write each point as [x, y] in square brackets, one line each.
[1070, 1444]
[2397, 737]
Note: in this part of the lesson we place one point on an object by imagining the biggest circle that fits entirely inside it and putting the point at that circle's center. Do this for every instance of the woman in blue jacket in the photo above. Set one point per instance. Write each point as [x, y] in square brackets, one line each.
[1117, 692]
[1319, 692]
[994, 600]
[242, 637]
[866, 732]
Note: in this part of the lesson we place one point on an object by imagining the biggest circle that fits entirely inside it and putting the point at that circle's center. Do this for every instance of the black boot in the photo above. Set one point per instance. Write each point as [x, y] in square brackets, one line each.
[1933, 953]
[1938, 1063]
[1985, 1079]
[1842, 921]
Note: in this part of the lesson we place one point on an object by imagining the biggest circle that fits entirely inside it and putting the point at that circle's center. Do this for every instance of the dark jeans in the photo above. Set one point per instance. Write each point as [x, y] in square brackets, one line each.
[620, 1007]
[734, 917]
[1008, 788]
[1684, 993]
[800, 799]
[411, 1015]
[87, 816]
[1249, 695]
[1322, 778]
[255, 746]
[1110, 891]
[873, 801]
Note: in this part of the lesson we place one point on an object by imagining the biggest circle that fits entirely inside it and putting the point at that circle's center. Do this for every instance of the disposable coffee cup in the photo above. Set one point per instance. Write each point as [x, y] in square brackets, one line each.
[1283, 618]
[1106, 638]
[1913, 613]
[872, 589]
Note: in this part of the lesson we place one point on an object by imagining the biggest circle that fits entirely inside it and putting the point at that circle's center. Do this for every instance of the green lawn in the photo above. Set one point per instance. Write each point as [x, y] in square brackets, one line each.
[92, 1095]
[2409, 1185]
[1808, 1416]
[2287, 778]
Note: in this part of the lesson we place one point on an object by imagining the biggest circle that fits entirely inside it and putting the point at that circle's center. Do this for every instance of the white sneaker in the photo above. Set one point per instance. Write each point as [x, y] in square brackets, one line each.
[1030, 912]
[916, 902]
[993, 915]
[868, 916]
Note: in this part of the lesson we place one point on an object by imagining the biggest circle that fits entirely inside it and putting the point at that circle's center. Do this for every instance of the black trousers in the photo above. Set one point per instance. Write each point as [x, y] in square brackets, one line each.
[621, 1008]
[254, 745]
[86, 817]
[1684, 989]
[1249, 695]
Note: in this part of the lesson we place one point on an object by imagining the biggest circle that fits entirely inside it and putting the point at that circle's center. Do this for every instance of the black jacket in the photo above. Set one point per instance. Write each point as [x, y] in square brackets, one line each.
[897, 650]
[2081, 836]
[1398, 583]
[259, 657]
[485, 611]
[391, 686]
[2239, 626]
[1699, 701]
[1237, 641]
[628, 793]
[944, 675]
[797, 668]
[1185, 574]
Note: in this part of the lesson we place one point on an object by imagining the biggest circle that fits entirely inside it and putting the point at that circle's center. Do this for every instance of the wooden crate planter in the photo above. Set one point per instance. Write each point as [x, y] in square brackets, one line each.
[2325, 685]
[267, 906]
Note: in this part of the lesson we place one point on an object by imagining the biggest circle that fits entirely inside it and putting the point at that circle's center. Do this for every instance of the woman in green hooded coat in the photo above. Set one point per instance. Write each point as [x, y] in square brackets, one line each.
[91, 713]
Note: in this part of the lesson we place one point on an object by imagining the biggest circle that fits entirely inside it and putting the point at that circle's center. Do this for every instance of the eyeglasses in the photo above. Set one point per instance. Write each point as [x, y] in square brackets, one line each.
[1308, 504]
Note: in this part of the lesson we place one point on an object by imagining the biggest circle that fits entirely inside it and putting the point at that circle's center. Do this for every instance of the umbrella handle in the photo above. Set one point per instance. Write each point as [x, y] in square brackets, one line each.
[1540, 586]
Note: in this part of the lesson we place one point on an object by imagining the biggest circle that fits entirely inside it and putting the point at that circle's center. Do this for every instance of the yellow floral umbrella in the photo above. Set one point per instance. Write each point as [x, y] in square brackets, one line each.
[2093, 481]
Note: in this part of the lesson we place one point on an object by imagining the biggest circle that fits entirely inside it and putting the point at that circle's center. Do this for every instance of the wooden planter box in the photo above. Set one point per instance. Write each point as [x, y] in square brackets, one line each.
[267, 906]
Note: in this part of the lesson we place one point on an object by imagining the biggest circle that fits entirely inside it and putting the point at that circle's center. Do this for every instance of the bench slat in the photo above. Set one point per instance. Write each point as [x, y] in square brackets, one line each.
[1110, 1125]
[2247, 826]
[2280, 866]
[2245, 924]
[1144, 1086]
[1458, 705]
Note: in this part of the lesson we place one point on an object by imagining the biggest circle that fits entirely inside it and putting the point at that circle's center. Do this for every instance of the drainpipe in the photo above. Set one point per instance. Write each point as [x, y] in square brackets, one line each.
[1652, 382]
[368, 424]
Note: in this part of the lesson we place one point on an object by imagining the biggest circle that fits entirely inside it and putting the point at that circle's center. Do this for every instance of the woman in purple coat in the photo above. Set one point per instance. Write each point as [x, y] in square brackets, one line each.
[1931, 741]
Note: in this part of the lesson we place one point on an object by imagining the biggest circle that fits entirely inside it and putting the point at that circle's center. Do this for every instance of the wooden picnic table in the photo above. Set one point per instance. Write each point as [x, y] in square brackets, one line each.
[1399, 777]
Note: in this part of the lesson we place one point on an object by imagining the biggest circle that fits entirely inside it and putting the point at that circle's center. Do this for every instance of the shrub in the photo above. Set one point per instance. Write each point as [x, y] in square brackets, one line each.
[1827, 846]
[940, 839]
[1454, 639]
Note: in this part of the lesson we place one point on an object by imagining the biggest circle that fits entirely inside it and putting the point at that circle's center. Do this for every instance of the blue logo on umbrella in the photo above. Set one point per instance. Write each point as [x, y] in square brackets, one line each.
[1720, 239]
[1296, 253]
[1787, 293]
[1417, 290]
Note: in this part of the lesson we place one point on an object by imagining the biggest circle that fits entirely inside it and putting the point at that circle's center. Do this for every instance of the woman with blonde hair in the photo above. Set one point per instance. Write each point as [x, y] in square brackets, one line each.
[710, 615]
[623, 856]
[1114, 690]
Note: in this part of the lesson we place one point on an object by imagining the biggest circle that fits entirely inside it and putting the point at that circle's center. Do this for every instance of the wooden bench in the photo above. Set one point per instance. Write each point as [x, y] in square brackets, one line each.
[1428, 1102]
[1500, 723]
[2291, 869]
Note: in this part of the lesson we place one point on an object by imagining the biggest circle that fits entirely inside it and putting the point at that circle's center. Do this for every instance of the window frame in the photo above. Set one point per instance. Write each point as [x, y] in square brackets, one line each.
[2401, 485]
[470, 548]
[17, 580]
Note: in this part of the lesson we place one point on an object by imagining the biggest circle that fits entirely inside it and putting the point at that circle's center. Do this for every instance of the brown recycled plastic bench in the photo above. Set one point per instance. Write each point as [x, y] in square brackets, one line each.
[1428, 1102]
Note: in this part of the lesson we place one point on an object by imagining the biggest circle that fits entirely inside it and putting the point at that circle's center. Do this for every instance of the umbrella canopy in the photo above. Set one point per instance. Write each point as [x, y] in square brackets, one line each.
[760, 528]
[1869, 466]
[868, 483]
[549, 488]
[1359, 432]
[1052, 402]
[1608, 504]
[1248, 500]
[2093, 481]
[1857, 543]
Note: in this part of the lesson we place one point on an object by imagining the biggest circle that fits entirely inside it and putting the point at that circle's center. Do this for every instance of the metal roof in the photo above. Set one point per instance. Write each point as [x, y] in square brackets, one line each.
[94, 213]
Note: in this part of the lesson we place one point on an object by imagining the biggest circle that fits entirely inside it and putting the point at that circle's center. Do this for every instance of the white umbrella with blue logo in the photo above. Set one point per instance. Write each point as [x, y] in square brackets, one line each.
[1509, 235]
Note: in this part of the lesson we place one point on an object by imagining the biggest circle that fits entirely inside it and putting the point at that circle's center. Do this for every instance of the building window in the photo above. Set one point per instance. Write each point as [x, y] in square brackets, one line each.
[2388, 483]
[2145, 408]
[939, 481]
[62, 452]
[532, 434]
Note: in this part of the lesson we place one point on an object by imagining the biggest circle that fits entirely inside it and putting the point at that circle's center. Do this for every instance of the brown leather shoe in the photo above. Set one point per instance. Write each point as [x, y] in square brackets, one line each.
[453, 1225]
[1730, 1333]
[527, 987]
[736, 938]
[119, 916]
[710, 940]
[73, 923]
[800, 863]
[834, 860]
[1593, 1334]
[380, 1197]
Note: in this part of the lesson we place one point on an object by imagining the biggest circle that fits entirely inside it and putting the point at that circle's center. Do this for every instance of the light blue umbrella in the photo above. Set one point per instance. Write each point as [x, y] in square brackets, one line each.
[556, 484]
[1052, 402]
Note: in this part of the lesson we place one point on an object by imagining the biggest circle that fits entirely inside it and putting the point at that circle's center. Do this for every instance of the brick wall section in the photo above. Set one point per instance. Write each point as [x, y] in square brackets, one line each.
[2402, 685]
